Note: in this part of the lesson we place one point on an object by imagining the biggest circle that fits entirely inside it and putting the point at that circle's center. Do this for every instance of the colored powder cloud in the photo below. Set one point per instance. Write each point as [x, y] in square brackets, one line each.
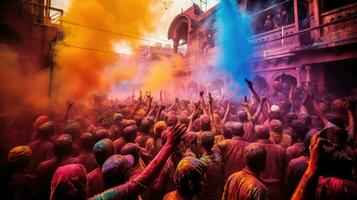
[235, 49]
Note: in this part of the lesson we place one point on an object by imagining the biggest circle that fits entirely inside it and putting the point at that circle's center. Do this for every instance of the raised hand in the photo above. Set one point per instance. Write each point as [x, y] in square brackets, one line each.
[140, 96]
[264, 99]
[316, 150]
[69, 104]
[210, 99]
[202, 93]
[175, 135]
[162, 107]
[249, 83]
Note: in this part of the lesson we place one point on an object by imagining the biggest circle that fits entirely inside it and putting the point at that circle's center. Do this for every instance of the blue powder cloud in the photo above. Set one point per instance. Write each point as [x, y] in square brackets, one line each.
[234, 32]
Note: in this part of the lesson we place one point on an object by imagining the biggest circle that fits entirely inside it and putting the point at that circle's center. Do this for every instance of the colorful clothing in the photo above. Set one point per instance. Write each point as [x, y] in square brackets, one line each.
[244, 185]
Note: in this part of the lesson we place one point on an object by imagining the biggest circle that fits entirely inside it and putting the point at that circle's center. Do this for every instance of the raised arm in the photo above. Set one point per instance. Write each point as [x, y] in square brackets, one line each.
[306, 188]
[257, 113]
[146, 177]
[210, 112]
[226, 113]
[319, 111]
[202, 102]
[351, 108]
[140, 100]
[149, 98]
[161, 99]
[67, 113]
[193, 116]
[251, 87]
[174, 104]
[159, 111]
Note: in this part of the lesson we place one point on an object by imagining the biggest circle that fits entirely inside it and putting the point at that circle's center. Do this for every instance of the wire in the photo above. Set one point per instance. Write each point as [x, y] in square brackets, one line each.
[89, 49]
[118, 33]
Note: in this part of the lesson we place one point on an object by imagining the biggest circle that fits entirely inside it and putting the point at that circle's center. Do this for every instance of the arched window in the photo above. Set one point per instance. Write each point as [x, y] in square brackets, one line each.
[9, 36]
[286, 78]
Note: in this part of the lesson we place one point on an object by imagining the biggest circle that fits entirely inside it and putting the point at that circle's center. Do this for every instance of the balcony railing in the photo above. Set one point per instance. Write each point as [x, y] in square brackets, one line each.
[269, 40]
[342, 29]
[38, 13]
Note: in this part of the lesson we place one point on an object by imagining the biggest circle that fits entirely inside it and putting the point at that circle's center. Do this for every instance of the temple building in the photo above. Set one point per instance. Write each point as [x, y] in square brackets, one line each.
[302, 42]
[31, 28]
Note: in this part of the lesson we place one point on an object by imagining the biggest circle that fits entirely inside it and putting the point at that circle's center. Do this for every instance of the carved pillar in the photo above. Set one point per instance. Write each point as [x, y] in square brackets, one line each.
[308, 75]
[296, 15]
[176, 44]
[298, 77]
[316, 12]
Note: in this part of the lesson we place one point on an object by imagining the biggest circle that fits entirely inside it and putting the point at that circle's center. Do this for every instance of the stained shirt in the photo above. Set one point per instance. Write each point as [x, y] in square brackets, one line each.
[232, 151]
[87, 159]
[213, 188]
[44, 173]
[249, 134]
[294, 172]
[276, 162]
[295, 150]
[42, 150]
[244, 185]
[95, 182]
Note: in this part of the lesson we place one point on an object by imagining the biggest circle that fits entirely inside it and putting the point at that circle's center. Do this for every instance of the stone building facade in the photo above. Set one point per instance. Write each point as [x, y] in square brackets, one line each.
[307, 42]
[30, 28]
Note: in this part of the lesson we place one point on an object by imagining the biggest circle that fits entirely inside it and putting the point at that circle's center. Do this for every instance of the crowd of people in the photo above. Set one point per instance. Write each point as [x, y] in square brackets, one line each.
[283, 143]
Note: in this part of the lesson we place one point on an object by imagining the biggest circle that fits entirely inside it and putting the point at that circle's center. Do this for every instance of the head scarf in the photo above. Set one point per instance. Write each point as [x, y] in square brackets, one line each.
[69, 182]
[20, 155]
[73, 129]
[116, 168]
[46, 129]
[86, 141]
[205, 123]
[40, 120]
[129, 133]
[102, 150]
[63, 145]
[275, 108]
[100, 134]
[186, 167]
[159, 127]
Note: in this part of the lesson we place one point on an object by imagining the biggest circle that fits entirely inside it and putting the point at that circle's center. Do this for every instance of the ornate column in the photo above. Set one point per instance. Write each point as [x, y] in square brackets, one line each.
[308, 75]
[316, 12]
[298, 77]
[176, 44]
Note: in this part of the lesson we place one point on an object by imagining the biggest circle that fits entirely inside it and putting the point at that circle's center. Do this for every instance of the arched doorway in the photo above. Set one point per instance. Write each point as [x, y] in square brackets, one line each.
[179, 32]
[286, 78]
[9, 36]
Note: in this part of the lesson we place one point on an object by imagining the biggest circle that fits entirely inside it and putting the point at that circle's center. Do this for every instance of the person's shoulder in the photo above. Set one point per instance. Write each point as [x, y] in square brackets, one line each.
[299, 160]
[223, 143]
[94, 173]
[171, 196]
[279, 148]
[236, 175]
[46, 163]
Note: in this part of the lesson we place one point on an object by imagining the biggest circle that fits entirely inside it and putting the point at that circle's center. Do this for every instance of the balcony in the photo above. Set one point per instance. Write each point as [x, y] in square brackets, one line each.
[340, 30]
[277, 41]
[39, 14]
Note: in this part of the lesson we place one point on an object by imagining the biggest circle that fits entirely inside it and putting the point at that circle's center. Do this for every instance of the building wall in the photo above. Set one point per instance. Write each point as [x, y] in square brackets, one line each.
[300, 49]
[35, 32]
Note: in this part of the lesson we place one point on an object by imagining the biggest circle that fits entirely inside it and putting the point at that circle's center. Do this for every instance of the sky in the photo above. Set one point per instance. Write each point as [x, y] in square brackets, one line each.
[174, 7]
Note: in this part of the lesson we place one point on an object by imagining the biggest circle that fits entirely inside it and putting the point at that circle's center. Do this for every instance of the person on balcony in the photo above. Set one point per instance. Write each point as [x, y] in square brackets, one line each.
[280, 18]
[269, 23]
